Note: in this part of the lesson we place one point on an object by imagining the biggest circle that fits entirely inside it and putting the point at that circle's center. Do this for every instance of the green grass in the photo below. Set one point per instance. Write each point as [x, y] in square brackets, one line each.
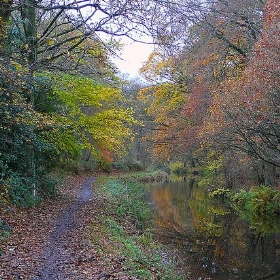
[129, 232]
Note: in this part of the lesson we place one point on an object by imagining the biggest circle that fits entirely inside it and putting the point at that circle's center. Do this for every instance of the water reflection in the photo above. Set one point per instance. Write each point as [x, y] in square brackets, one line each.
[216, 243]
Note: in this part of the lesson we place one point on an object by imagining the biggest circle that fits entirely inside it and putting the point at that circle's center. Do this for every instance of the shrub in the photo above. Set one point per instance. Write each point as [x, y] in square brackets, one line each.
[261, 200]
[47, 187]
[260, 207]
[20, 191]
[129, 165]
[178, 168]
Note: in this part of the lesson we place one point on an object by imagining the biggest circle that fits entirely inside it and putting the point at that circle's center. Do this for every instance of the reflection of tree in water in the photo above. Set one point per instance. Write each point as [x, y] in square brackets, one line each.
[219, 244]
[172, 209]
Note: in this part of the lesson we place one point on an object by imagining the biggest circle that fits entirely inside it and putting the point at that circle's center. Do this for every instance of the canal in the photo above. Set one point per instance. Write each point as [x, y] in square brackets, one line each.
[211, 238]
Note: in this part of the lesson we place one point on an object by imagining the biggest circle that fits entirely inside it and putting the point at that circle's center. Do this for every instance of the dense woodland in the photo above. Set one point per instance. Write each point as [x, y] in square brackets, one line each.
[211, 99]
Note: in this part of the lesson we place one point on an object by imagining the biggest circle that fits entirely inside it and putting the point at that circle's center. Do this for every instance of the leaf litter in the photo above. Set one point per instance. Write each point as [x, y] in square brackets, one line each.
[52, 242]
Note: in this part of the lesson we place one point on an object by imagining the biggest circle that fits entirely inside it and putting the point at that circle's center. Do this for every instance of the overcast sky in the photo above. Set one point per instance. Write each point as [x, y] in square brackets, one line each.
[133, 55]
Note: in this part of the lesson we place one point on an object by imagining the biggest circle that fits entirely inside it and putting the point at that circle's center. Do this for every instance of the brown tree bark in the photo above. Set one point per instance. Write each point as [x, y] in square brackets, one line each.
[5, 12]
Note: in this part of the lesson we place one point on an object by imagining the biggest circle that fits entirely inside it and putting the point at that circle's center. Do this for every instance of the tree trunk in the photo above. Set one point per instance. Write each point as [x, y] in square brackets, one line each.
[28, 14]
[269, 174]
[29, 19]
[5, 12]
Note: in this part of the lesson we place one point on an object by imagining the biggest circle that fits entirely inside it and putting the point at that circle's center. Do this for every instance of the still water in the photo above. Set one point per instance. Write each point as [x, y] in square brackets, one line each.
[213, 241]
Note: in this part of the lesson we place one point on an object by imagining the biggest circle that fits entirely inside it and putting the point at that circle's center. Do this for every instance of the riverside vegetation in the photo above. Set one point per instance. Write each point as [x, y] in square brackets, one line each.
[122, 240]
[126, 231]
[111, 235]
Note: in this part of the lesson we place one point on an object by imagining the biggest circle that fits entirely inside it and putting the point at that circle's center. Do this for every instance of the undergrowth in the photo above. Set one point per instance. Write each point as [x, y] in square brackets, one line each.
[141, 176]
[260, 206]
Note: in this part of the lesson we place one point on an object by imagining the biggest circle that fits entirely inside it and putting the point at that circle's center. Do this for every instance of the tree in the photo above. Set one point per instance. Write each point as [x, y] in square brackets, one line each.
[139, 150]
[223, 20]
[203, 45]
[39, 35]
[91, 110]
[50, 30]
[20, 131]
[246, 110]
[163, 107]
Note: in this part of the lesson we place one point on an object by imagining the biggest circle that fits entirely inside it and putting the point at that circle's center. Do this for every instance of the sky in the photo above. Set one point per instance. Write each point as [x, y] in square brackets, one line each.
[133, 57]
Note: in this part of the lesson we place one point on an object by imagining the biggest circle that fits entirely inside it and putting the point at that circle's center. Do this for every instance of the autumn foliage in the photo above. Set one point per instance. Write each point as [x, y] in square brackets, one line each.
[229, 82]
[245, 110]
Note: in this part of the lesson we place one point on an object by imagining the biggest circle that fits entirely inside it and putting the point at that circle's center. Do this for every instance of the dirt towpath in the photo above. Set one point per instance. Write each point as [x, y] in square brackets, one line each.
[58, 256]
[52, 241]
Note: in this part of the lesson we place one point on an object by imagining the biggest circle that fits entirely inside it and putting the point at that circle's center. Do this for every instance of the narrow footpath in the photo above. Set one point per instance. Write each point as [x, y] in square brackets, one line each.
[53, 241]
[58, 256]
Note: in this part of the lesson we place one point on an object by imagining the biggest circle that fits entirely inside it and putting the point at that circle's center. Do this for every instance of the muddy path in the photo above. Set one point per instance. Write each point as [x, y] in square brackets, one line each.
[58, 254]
[53, 240]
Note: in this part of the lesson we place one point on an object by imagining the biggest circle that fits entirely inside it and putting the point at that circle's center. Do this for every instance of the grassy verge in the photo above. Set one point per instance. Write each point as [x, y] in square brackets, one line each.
[141, 176]
[124, 234]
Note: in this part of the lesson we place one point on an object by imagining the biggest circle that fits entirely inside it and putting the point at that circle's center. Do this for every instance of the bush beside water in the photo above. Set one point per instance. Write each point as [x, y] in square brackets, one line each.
[260, 206]
[141, 176]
